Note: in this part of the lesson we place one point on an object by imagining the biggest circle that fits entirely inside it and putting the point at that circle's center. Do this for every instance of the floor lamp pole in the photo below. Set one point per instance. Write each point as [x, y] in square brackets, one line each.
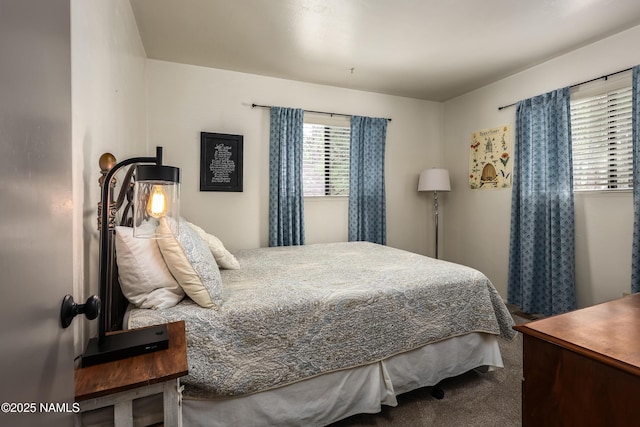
[435, 204]
[434, 180]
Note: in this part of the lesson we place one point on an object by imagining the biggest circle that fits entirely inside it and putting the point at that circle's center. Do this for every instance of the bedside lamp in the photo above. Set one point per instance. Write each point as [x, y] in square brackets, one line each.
[156, 195]
[435, 180]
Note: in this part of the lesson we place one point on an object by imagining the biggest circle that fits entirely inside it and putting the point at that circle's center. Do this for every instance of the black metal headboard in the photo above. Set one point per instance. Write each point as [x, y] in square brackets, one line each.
[120, 212]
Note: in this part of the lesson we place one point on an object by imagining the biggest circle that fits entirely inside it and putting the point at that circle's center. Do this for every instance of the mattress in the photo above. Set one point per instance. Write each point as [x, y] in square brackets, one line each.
[331, 397]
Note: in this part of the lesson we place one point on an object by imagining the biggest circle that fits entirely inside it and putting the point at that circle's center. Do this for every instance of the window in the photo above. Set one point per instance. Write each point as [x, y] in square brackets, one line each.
[601, 138]
[325, 165]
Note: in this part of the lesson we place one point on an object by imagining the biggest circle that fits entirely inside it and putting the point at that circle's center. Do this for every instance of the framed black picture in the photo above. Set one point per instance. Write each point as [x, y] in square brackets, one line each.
[220, 162]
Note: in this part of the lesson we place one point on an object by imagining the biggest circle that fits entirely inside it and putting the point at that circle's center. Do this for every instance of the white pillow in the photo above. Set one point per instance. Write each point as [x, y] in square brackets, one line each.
[224, 258]
[192, 264]
[144, 277]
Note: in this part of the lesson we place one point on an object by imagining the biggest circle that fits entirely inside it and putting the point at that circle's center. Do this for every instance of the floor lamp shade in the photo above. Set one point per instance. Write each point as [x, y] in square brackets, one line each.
[434, 180]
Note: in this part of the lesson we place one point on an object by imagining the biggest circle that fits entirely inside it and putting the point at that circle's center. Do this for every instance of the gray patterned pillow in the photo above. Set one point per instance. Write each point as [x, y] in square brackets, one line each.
[190, 261]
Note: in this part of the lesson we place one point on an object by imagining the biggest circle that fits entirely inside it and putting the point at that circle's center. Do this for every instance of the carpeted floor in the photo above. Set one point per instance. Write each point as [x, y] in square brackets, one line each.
[471, 399]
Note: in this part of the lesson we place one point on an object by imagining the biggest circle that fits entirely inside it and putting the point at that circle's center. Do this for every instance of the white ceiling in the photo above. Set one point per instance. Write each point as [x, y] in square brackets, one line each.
[426, 49]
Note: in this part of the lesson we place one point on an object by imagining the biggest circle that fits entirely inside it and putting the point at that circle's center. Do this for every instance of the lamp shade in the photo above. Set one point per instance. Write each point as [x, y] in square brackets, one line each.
[157, 195]
[434, 180]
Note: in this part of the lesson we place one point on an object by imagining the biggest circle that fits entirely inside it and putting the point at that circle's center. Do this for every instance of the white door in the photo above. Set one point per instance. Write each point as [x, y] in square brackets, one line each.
[36, 354]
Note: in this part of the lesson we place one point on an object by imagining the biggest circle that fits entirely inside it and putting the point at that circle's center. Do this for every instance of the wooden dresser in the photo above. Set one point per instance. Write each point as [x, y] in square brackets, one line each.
[583, 368]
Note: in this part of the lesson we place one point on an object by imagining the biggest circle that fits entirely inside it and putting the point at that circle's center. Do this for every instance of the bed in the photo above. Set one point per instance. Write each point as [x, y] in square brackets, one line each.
[311, 334]
[304, 335]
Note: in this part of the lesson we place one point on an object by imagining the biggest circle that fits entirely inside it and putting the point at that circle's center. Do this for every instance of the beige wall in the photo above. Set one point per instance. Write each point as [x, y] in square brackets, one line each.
[185, 100]
[108, 114]
[476, 231]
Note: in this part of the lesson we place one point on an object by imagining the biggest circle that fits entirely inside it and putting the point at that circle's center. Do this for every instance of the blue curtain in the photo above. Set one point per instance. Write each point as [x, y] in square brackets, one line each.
[367, 203]
[635, 120]
[542, 247]
[286, 207]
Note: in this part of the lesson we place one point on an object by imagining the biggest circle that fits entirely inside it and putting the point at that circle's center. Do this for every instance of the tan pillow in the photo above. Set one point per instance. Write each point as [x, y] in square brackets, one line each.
[224, 258]
[192, 264]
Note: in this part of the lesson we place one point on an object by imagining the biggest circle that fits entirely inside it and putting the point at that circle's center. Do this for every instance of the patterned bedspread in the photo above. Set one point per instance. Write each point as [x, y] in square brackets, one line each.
[292, 313]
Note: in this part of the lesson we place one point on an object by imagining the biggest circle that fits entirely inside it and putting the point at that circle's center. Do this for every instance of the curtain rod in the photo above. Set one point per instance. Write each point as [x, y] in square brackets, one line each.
[311, 111]
[606, 76]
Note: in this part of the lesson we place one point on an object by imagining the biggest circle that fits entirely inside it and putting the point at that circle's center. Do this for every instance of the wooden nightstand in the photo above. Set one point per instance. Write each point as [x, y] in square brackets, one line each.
[119, 382]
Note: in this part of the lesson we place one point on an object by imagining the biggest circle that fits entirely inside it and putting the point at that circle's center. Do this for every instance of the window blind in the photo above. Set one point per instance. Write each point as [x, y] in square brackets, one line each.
[325, 169]
[601, 139]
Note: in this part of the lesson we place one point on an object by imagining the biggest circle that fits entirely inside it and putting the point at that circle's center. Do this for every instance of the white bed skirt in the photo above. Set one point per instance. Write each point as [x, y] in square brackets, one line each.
[331, 397]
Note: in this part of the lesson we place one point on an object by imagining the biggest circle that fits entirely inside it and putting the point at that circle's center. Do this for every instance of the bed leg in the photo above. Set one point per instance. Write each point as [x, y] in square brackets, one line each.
[437, 392]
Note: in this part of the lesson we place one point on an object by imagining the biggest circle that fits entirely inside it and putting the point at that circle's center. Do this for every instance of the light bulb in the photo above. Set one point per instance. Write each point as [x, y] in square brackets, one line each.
[157, 205]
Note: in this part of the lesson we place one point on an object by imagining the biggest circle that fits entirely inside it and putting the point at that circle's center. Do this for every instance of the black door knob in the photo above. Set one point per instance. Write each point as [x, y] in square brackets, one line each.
[69, 310]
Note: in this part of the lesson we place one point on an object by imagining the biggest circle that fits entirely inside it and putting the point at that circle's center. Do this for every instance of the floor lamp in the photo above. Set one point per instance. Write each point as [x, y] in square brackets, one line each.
[435, 180]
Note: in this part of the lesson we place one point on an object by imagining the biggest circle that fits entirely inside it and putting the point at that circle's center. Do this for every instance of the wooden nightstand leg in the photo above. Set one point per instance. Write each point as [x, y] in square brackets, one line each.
[123, 414]
[172, 402]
